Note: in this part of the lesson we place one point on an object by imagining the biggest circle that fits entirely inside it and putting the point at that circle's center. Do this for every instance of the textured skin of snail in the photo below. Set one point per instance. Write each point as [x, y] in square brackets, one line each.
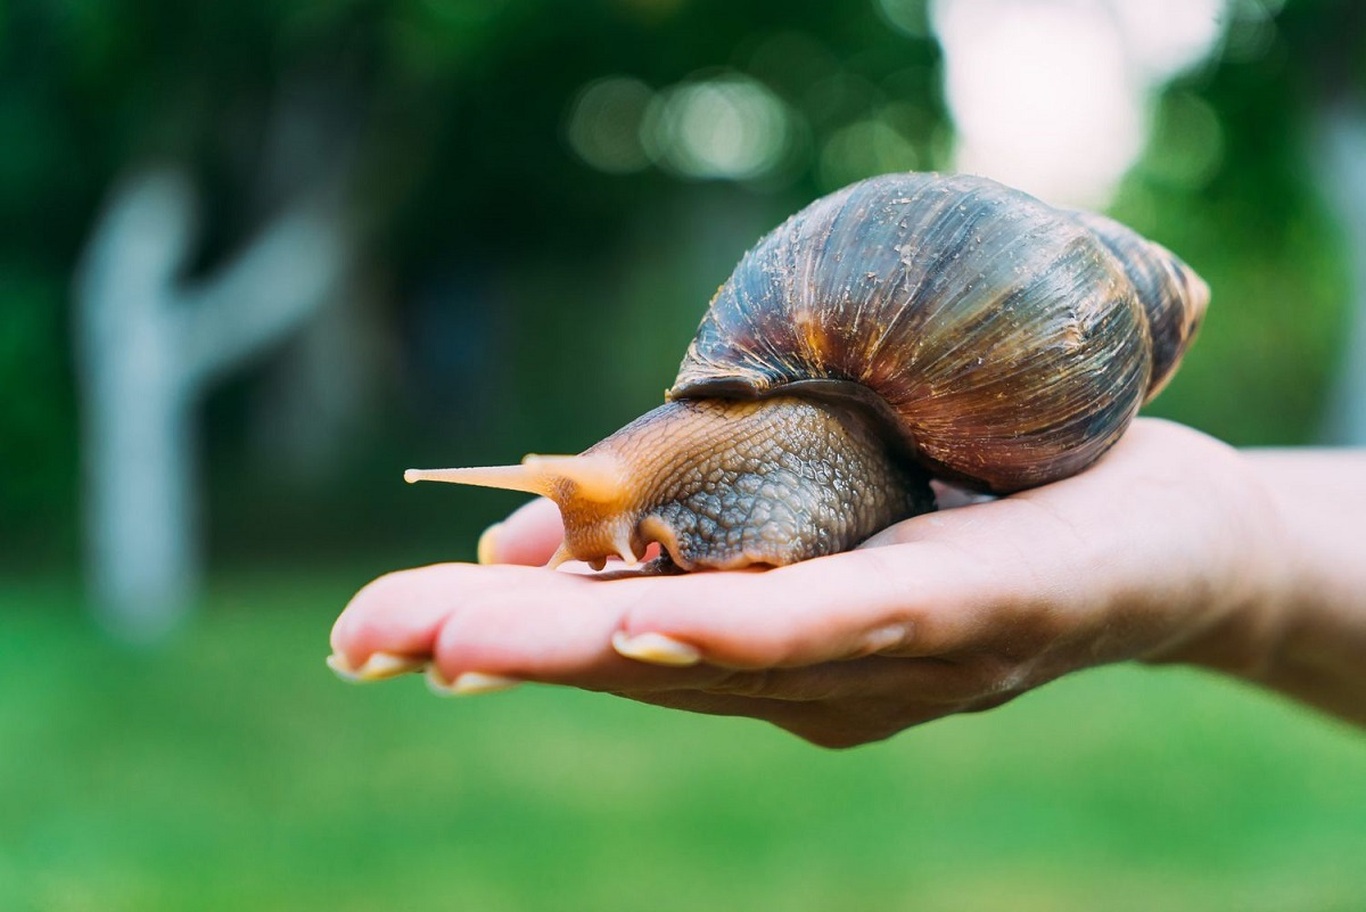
[906, 327]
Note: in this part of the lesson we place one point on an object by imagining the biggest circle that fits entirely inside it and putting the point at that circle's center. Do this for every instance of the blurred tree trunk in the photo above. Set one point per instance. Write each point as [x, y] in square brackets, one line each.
[1330, 38]
[148, 346]
[1342, 169]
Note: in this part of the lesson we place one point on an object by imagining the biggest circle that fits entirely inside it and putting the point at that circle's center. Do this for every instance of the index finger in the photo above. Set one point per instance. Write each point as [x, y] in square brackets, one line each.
[906, 600]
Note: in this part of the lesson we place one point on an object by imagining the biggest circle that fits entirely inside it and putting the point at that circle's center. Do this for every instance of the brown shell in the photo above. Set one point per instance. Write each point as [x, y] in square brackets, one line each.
[1009, 342]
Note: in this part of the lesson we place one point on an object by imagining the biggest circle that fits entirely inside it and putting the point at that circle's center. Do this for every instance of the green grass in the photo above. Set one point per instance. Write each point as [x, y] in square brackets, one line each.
[230, 770]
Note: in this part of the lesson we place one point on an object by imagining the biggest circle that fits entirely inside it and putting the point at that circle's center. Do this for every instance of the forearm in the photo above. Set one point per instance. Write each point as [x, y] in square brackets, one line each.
[1306, 637]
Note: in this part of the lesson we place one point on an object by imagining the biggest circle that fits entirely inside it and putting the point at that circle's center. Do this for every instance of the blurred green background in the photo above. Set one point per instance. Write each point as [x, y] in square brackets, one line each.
[526, 206]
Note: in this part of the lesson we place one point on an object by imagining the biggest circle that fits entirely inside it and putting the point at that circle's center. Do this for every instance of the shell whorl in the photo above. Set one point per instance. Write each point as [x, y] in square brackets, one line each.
[1173, 296]
[1010, 342]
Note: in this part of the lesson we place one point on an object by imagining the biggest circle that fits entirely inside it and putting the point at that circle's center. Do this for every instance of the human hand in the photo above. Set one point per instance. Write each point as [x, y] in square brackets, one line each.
[1168, 549]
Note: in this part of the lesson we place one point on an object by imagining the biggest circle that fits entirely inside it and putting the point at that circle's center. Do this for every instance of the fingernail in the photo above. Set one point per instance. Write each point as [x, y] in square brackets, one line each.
[476, 682]
[484, 551]
[656, 648]
[378, 667]
[884, 638]
[341, 667]
[468, 683]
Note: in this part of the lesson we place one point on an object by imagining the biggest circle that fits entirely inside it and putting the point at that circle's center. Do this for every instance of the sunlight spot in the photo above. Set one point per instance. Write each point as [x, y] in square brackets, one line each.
[604, 124]
[863, 149]
[1052, 96]
[729, 127]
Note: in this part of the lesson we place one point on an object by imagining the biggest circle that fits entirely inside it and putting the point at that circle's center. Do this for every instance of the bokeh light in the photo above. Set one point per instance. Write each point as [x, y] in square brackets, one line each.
[906, 16]
[863, 149]
[604, 124]
[1187, 131]
[727, 126]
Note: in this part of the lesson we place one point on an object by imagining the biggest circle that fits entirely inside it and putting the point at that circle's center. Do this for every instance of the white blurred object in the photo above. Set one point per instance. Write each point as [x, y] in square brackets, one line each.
[1342, 166]
[148, 347]
[1052, 96]
[726, 127]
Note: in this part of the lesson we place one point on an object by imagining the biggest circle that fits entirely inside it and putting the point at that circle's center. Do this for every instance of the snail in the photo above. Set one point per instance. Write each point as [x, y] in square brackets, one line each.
[908, 327]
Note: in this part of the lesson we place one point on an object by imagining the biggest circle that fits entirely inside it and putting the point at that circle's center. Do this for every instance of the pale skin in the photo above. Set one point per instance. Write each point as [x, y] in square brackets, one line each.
[1173, 548]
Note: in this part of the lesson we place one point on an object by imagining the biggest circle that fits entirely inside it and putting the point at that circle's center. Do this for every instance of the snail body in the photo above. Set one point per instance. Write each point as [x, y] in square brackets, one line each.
[906, 327]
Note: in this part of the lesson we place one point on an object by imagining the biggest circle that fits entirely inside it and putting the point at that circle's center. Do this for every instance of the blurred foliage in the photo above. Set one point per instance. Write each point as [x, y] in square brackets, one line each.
[534, 303]
[1228, 183]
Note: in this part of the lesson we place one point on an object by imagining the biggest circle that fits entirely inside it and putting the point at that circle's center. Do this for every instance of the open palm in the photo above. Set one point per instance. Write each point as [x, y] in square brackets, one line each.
[1164, 549]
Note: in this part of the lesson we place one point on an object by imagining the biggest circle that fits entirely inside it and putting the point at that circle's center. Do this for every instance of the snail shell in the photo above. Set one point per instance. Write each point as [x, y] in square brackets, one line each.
[907, 326]
[1006, 342]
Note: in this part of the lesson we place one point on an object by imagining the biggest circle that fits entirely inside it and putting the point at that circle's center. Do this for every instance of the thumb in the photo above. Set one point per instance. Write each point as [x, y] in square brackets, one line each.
[529, 536]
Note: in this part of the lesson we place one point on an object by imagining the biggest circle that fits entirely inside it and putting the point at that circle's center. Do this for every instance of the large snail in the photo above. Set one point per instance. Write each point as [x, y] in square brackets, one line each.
[908, 327]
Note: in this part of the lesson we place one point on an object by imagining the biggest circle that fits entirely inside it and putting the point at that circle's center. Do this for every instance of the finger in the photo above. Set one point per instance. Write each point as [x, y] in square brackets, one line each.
[511, 622]
[907, 600]
[528, 536]
[506, 610]
[530, 633]
[917, 599]
[539, 625]
[534, 624]
[397, 614]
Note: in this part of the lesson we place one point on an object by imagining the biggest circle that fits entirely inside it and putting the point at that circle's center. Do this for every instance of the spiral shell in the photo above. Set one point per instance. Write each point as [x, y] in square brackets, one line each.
[1006, 343]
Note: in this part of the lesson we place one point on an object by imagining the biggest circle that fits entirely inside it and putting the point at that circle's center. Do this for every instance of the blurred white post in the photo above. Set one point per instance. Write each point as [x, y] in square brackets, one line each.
[1342, 169]
[148, 346]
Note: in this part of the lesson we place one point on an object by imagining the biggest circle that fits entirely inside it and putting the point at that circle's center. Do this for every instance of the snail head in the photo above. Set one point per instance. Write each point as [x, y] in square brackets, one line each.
[592, 490]
[718, 483]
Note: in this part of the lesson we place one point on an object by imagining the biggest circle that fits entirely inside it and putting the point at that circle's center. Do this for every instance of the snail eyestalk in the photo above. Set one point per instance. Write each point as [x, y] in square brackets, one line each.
[508, 478]
[597, 477]
[593, 491]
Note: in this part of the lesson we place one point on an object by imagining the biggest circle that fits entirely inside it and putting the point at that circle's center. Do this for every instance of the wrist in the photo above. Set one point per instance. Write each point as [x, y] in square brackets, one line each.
[1316, 653]
[1249, 603]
